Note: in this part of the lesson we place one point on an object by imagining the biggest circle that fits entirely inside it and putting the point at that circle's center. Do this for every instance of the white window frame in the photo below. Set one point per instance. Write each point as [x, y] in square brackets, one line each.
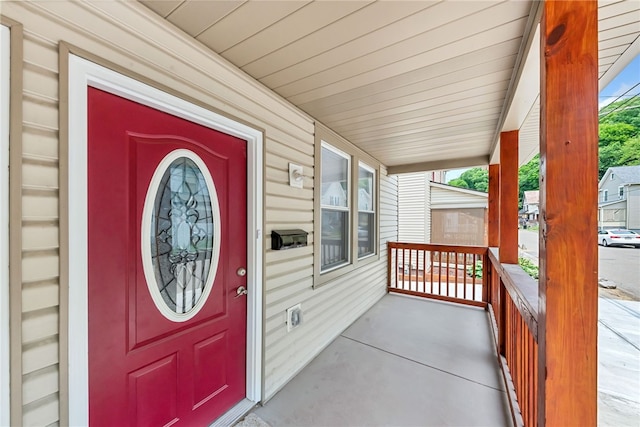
[83, 73]
[374, 198]
[326, 138]
[5, 88]
[620, 191]
[605, 195]
[347, 209]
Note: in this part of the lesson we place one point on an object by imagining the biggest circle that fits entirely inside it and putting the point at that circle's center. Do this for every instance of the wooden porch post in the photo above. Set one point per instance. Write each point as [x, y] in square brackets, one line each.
[509, 197]
[494, 205]
[568, 294]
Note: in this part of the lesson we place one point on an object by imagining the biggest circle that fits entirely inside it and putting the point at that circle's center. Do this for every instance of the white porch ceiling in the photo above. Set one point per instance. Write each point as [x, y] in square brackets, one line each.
[419, 85]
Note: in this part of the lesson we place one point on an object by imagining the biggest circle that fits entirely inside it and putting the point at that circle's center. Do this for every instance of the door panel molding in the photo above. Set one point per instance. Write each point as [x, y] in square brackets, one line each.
[81, 74]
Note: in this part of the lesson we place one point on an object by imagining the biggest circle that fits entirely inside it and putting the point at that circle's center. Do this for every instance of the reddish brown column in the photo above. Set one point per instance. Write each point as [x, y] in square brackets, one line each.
[509, 197]
[494, 206]
[568, 295]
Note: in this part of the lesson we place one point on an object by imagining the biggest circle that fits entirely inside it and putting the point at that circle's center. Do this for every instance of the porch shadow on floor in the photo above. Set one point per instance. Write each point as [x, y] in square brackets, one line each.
[405, 362]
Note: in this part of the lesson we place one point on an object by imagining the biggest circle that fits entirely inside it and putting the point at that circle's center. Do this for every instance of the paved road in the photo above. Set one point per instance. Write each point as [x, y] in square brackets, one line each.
[619, 265]
[618, 333]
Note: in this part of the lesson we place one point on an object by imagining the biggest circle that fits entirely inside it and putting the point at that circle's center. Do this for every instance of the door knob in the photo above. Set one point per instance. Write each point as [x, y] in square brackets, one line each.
[241, 291]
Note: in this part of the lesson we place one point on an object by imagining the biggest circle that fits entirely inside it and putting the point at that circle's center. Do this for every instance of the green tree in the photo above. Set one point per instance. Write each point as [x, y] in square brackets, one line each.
[529, 177]
[612, 138]
[624, 111]
[630, 152]
[618, 134]
[476, 179]
[459, 182]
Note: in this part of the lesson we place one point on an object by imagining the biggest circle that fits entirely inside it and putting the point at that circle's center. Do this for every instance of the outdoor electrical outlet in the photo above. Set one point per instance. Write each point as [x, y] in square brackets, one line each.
[294, 317]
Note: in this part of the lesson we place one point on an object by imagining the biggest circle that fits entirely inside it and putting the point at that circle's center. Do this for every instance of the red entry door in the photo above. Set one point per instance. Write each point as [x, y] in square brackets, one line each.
[152, 265]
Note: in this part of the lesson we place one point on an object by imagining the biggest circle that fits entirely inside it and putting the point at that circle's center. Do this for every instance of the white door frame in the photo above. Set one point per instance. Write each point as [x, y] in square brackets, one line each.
[83, 73]
[4, 224]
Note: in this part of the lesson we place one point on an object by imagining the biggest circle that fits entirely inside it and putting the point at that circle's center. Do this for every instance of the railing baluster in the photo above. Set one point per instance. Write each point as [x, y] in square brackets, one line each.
[424, 271]
[456, 257]
[395, 267]
[402, 266]
[447, 273]
[464, 275]
[411, 270]
[473, 277]
[431, 287]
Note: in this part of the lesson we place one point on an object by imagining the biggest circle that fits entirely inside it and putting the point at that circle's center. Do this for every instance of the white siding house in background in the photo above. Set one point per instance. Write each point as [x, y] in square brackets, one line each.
[414, 208]
[531, 205]
[619, 198]
[431, 212]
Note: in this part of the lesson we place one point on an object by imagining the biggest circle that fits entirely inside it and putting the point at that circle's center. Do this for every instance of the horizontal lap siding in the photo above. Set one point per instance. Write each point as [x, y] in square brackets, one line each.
[633, 207]
[129, 37]
[452, 199]
[327, 310]
[414, 223]
[40, 243]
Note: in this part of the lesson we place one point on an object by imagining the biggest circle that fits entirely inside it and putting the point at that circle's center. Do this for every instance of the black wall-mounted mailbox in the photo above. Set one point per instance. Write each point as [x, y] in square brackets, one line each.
[288, 239]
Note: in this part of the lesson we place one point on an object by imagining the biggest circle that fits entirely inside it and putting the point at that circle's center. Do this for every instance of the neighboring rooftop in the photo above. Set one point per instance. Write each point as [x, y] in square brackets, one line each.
[627, 174]
[532, 197]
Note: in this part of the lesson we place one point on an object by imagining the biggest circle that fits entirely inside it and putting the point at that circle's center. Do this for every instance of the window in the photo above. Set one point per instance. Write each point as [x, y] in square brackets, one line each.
[621, 192]
[366, 211]
[605, 195]
[180, 242]
[346, 222]
[334, 201]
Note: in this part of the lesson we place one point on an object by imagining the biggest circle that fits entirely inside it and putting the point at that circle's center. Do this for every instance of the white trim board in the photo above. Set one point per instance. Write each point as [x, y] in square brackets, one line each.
[83, 73]
[4, 224]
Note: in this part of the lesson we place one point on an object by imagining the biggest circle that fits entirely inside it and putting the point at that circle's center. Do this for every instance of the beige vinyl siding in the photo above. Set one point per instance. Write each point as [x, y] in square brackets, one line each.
[414, 208]
[448, 198]
[40, 263]
[131, 38]
[327, 310]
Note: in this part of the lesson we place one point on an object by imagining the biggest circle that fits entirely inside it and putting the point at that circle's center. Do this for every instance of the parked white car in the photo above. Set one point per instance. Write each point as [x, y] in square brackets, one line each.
[618, 237]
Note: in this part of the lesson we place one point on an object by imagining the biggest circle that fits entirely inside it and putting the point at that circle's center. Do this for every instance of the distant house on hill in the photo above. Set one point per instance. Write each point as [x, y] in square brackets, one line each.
[531, 206]
[619, 198]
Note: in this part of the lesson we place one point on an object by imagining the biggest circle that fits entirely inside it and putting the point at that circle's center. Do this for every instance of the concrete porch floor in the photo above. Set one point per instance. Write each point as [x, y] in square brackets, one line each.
[405, 362]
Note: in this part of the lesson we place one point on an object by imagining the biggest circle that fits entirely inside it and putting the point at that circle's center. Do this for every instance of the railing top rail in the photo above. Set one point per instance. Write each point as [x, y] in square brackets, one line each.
[480, 250]
[522, 289]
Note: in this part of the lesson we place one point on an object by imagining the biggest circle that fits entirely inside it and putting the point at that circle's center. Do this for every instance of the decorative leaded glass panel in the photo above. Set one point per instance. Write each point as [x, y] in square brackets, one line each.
[182, 227]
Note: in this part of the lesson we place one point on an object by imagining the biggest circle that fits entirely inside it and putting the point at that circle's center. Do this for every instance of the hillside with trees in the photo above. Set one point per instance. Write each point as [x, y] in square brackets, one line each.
[619, 135]
[619, 145]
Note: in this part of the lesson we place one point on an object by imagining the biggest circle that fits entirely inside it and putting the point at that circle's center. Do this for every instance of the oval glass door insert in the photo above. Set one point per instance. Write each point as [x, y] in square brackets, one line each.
[180, 235]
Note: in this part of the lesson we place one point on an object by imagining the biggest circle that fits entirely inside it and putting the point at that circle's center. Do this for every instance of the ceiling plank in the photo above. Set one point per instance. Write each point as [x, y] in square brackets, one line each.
[391, 35]
[370, 69]
[195, 16]
[245, 21]
[310, 18]
[162, 7]
[360, 23]
[431, 89]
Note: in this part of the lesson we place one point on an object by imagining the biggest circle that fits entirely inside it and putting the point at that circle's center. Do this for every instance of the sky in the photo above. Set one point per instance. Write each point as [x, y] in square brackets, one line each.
[623, 86]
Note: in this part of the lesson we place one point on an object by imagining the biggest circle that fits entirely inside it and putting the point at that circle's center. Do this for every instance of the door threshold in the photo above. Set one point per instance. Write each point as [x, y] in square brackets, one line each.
[234, 414]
